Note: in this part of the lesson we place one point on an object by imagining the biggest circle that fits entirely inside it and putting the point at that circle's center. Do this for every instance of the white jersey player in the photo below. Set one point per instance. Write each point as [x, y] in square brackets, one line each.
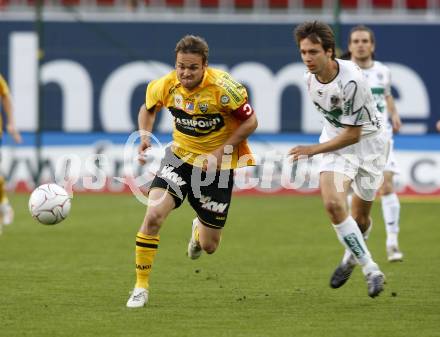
[352, 144]
[379, 79]
[346, 100]
[361, 46]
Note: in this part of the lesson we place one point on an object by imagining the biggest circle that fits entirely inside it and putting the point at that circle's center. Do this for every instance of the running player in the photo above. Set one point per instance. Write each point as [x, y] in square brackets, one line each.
[212, 120]
[352, 145]
[6, 211]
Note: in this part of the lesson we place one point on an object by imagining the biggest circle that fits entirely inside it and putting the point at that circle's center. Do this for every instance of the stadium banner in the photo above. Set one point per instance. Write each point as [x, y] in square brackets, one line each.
[94, 73]
[108, 163]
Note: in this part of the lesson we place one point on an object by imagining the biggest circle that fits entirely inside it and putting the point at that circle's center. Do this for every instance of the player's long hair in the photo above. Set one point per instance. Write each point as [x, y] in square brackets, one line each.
[192, 44]
[359, 28]
[317, 32]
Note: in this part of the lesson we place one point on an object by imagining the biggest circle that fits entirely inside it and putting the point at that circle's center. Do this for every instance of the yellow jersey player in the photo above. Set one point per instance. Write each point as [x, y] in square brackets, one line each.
[212, 120]
[6, 211]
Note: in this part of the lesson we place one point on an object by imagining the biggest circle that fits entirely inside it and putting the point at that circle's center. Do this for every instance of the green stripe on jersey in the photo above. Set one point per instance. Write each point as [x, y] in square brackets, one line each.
[378, 91]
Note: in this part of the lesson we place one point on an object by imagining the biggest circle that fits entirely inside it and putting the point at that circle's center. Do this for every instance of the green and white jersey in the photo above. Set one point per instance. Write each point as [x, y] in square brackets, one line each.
[346, 100]
[379, 80]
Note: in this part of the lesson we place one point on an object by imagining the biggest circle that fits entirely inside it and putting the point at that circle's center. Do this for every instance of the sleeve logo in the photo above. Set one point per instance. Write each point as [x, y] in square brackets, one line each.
[224, 99]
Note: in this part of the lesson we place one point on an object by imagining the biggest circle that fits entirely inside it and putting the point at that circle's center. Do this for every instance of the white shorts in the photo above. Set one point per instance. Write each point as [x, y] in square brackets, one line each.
[391, 165]
[363, 163]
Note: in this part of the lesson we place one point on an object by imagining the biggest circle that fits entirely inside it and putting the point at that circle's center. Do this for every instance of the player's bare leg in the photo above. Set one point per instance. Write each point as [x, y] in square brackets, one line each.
[391, 215]
[160, 204]
[360, 211]
[203, 238]
[334, 187]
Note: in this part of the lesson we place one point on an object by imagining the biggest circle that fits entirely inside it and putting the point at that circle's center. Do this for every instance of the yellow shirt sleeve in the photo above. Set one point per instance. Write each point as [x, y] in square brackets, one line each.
[234, 94]
[154, 94]
[4, 90]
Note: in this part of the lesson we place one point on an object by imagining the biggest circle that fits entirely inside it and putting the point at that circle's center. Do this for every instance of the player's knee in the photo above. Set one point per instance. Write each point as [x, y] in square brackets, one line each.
[154, 218]
[210, 246]
[387, 184]
[386, 188]
[335, 208]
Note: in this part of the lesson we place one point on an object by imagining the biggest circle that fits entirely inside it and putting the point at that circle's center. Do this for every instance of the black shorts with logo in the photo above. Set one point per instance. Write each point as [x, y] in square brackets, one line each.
[209, 194]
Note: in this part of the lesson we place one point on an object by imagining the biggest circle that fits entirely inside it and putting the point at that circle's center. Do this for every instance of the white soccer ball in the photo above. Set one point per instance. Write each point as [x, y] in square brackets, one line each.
[49, 204]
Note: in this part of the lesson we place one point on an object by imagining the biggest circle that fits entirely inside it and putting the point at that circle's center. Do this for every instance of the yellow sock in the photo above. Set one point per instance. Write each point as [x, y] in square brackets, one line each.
[197, 233]
[146, 249]
[3, 196]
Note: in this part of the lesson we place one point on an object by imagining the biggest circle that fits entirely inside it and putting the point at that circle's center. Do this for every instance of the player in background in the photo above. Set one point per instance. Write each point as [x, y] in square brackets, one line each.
[6, 211]
[352, 144]
[361, 46]
[212, 118]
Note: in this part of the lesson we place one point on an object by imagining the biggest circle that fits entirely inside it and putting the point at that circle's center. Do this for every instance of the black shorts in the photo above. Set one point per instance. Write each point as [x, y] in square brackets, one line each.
[209, 194]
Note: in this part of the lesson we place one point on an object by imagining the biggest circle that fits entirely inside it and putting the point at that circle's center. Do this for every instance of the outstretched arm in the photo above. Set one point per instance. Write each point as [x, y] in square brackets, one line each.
[248, 124]
[146, 120]
[245, 129]
[350, 135]
[394, 115]
[10, 123]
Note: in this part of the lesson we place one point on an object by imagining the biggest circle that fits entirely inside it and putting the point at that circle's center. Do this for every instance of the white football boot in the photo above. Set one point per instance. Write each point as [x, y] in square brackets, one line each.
[375, 279]
[394, 254]
[7, 213]
[194, 249]
[138, 298]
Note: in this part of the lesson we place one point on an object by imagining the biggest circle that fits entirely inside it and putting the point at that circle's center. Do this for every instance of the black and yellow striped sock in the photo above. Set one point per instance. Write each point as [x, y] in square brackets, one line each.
[3, 196]
[146, 249]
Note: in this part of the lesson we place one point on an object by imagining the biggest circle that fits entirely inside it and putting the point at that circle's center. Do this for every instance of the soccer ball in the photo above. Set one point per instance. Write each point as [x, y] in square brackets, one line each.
[49, 204]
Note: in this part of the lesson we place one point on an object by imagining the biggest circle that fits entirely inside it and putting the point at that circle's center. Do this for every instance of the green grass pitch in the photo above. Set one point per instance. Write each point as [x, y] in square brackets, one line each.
[269, 277]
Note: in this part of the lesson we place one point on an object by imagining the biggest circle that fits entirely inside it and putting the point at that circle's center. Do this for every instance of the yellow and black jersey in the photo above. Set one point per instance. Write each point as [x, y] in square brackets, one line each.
[203, 117]
[4, 92]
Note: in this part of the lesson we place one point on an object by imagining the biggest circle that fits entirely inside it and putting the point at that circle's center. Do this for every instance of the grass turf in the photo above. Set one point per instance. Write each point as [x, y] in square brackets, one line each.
[268, 278]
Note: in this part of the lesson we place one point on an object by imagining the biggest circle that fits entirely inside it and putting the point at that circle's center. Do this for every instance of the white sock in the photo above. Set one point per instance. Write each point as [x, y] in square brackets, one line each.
[348, 258]
[392, 240]
[350, 236]
[391, 215]
[4, 206]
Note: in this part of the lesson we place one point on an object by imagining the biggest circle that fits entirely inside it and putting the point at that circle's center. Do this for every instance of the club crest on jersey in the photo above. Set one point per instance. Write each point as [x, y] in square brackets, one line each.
[334, 100]
[189, 106]
[379, 76]
[224, 99]
[178, 101]
[320, 92]
[203, 107]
